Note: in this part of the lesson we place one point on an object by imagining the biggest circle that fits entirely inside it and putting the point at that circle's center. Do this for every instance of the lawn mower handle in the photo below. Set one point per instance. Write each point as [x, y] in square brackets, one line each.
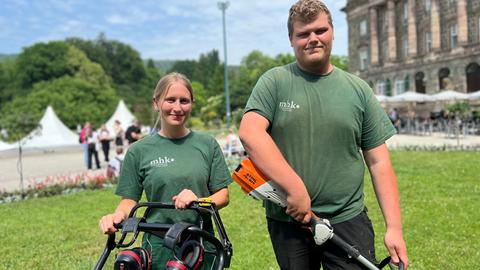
[223, 247]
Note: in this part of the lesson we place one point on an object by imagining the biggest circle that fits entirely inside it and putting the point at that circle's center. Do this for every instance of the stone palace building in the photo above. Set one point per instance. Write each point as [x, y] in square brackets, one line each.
[424, 46]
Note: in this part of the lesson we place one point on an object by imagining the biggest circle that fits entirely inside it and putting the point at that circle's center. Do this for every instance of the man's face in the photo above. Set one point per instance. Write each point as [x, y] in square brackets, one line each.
[312, 43]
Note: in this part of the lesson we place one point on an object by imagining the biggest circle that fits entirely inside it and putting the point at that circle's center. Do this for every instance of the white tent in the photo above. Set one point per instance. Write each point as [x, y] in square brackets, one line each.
[5, 146]
[381, 98]
[411, 97]
[51, 133]
[450, 95]
[474, 95]
[122, 114]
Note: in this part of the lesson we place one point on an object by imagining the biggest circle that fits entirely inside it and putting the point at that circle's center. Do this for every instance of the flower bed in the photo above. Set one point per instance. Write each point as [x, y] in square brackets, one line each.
[59, 184]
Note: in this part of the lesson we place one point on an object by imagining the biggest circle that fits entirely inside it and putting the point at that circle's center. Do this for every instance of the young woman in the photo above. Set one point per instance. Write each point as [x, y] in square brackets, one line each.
[175, 165]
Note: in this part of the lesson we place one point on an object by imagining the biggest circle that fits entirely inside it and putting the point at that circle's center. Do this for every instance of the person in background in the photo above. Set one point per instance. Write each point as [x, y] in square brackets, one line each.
[115, 165]
[83, 140]
[105, 138]
[119, 134]
[175, 165]
[310, 126]
[92, 140]
[133, 133]
[393, 115]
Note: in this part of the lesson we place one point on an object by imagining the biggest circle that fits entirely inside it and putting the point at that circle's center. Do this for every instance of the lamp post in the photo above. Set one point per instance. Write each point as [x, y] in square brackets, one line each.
[223, 6]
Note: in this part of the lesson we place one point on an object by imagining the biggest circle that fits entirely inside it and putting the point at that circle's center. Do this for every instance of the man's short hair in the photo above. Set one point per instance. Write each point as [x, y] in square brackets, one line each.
[307, 11]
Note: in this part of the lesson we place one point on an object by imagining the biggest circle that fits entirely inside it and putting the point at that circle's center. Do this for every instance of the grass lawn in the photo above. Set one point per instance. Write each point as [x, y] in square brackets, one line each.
[439, 195]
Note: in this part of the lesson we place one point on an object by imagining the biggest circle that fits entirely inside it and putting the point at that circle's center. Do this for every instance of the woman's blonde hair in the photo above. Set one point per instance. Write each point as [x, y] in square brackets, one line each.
[166, 81]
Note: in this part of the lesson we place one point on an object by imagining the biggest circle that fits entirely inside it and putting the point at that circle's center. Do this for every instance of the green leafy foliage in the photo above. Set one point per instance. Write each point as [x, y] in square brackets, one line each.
[339, 61]
[461, 109]
[105, 64]
[73, 99]
[42, 62]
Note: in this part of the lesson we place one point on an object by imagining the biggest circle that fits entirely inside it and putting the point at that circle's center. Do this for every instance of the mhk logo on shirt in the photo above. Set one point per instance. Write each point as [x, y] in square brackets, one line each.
[288, 105]
[161, 162]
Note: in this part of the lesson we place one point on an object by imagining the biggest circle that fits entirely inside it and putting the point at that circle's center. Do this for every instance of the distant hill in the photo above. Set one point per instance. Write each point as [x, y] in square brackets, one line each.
[7, 56]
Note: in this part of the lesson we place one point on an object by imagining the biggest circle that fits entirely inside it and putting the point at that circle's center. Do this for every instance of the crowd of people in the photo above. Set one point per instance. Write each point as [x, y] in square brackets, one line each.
[102, 140]
[303, 126]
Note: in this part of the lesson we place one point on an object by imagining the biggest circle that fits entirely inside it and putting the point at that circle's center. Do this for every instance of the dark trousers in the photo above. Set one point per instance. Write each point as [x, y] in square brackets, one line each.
[295, 247]
[105, 148]
[92, 151]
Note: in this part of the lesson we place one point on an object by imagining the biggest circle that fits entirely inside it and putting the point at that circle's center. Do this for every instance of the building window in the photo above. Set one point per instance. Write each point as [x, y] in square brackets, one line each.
[452, 3]
[381, 88]
[453, 35]
[405, 47]
[399, 86]
[443, 79]
[428, 5]
[363, 60]
[428, 42]
[363, 27]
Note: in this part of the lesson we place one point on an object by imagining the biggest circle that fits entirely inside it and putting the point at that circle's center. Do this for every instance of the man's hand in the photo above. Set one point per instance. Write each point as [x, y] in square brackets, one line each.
[299, 206]
[396, 246]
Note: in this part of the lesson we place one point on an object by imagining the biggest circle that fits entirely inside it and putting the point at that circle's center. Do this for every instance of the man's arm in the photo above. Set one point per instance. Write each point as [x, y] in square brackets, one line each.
[386, 190]
[268, 158]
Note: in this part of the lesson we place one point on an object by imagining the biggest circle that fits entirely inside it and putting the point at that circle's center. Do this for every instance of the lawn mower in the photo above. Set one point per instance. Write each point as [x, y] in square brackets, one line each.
[254, 183]
[178, 235]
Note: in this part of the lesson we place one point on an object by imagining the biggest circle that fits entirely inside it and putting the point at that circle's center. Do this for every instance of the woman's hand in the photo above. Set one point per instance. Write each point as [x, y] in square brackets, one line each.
[107, 222]
[183, 199]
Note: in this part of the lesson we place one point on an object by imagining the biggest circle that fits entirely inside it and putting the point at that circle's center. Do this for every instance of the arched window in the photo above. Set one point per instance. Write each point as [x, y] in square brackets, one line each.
[473, 77]
[420, 82]
[443, 80]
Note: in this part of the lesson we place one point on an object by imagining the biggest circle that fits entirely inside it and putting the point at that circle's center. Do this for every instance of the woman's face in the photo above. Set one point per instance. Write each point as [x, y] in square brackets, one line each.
[175, 106]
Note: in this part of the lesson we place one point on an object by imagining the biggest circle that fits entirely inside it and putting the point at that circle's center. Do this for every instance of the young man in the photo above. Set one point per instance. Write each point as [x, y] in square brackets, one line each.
[309, 126]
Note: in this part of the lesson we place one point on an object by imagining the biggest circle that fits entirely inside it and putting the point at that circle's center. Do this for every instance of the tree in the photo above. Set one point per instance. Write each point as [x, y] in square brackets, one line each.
[8, 81]
[339, 61]
[121, 62]
[43, 62]
[210, 112]
[85, 69]
[200, 97]
[206, 67]
[251, 68]
[186, 67]
[73, 99]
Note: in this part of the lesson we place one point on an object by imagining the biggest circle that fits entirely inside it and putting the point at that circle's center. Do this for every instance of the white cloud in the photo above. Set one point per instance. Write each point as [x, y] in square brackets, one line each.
[117, 19]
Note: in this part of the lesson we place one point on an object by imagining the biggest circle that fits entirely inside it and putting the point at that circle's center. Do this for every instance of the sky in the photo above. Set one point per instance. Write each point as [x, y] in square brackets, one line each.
[161, 29]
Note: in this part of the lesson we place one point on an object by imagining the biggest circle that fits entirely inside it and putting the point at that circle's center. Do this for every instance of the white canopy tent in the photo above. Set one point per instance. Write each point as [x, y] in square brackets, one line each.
[474, 95]
[50, 133]
[450, 95]
[410, 97]
[5, 146]
[381, 98]
[122, 114]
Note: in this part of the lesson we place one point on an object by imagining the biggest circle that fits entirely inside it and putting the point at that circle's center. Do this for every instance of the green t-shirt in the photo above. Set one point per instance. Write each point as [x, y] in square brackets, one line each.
[321, 123]
[162, 168]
